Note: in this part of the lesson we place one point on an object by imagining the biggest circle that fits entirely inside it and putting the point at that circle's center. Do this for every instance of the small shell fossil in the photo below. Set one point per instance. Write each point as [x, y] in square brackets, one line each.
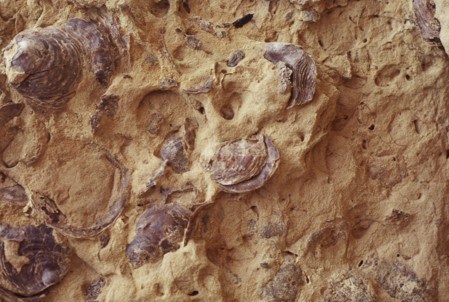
[401, 282]
[425, 17]
[285, 284]
[348, 287]
[303, 67]
[47, 208]
[31, 260]
[235, 59]
[45, 64]
[11, 192]
[159, 230]
[244, 165]
[174, 152]
[9, 111]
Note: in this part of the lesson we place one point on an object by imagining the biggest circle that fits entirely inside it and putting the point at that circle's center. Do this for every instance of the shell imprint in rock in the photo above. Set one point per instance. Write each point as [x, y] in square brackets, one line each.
[302, 66]
[159, 230]
[425, 17]
[244, 165]
[348, 287]
[45, 64]
[53, 216]
[31, 260]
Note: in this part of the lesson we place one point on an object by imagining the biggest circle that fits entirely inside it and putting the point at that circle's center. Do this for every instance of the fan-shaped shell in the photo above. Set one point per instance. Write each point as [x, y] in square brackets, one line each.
[245, 164]
[31, 260]
[43, 65]
[302, 65]
[159, 230]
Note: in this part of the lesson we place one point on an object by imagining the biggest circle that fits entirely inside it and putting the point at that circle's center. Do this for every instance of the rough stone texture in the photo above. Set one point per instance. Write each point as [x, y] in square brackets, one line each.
[363, 166]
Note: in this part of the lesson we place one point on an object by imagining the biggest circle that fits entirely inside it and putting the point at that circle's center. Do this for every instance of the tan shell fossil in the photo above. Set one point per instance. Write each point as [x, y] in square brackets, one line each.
[302, 66]
[425, 17]
[244, 165]
[53, 217]
[31, 260]
[159, 230]
[348, 287]
[285, 284]
[45, 64]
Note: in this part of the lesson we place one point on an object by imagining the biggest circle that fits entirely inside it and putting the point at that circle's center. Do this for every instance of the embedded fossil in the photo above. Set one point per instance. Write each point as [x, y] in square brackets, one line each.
[31, 260]
[9, 111]
[12, 192]
[58, 220]
[303, 68]
[174, 152]
[244, 165]
[401, 282]
[425, 17]
[348, 287]
[284, 286]
[235, 59]
[159, 230]
[45, 64]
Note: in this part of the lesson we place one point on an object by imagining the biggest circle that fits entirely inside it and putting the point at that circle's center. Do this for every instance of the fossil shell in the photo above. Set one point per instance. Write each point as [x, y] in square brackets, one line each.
[174, 152]
[97, 43]
[303, 67]
[37, 261]
[348, 287]
[43, 65]
[9, 111]
[425, 17]
[285, 284]
[53, 217]
[245, 164]
[159, 230]
[11, 192]
[401, 282]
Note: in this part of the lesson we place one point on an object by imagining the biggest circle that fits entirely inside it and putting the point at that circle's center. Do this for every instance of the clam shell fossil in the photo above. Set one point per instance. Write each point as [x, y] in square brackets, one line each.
[31, 260]
[45, 64]
[159, 230]
[425, 17]
[53, 216]
[244, 165]
[302, 66]
[174, 151]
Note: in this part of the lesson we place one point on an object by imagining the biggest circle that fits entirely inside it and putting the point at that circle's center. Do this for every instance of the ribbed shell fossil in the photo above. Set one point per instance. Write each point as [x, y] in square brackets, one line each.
[425, 17]
[45, 64]
[50, 212]
[303, 67]
[348, 287]
[244, 165]
[159, 230]
[31, 260]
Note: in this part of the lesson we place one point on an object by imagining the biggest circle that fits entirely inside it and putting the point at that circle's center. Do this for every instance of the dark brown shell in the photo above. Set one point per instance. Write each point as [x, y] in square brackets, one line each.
[53, 217]
[348, 287]
[244, 165]
[8, 111]
[44, 65]
[44, 263]
[159, 230]
[425, 17]
[303, 67]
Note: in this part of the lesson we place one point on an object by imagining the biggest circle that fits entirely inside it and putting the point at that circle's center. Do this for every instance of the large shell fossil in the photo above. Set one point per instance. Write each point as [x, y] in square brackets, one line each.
[31, 259]
[244, 165]
[159, 230]
[55, 218]
[45, 64]
[302, 66]
[425, 17]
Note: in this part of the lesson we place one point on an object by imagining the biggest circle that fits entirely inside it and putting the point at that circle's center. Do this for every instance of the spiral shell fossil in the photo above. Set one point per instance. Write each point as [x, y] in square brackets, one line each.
[31, 260]
[244, 165]
[302, 66]
[45, 64]
[159, 230]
